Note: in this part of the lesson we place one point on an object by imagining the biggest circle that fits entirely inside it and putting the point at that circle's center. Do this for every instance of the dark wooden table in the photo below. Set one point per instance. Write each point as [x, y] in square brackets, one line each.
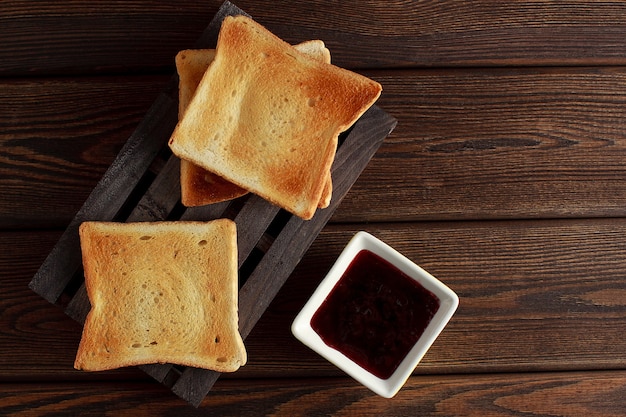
[505, 178]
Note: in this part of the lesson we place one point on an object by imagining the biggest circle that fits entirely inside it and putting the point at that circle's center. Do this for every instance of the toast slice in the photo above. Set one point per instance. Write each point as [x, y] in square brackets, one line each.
[162, 292]
[266, 116]
[199, 186]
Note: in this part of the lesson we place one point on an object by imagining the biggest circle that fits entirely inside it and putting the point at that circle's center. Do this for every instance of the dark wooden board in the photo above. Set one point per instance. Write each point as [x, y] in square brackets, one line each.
[593, 393]
[507, 143]
[46, 37]
[142, 185]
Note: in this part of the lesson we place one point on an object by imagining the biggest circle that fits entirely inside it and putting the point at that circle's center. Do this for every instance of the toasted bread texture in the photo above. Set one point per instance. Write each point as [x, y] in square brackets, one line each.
[199, 186]
[161, 292]
[267, 117]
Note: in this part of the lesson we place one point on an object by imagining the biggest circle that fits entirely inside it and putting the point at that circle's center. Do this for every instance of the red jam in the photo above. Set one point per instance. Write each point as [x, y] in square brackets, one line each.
[375, 314]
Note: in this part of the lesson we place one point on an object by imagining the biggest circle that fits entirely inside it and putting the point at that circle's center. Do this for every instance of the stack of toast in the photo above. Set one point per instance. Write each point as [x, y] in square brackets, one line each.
[264, 116]
[200, 187]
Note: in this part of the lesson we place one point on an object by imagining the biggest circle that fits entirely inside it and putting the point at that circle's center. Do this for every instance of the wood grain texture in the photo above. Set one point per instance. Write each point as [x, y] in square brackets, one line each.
[497, 143]
[554, 394]
[59, 136]
[470, 144]
[76, 37]
[98, 36]
[535, 296]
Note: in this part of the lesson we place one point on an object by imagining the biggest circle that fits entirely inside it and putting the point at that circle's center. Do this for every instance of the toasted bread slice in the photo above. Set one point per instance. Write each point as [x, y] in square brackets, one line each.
[267, 117]
[161, 292]
[199, 186]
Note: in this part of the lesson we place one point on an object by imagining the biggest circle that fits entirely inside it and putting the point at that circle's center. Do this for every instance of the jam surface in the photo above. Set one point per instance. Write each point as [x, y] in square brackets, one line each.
[375, 314]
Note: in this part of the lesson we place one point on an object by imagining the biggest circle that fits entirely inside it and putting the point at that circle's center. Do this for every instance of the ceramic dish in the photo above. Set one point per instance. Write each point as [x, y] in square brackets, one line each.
[357, 343]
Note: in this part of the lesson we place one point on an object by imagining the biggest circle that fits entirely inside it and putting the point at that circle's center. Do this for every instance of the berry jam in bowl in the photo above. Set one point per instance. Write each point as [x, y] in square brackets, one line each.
[375, 314]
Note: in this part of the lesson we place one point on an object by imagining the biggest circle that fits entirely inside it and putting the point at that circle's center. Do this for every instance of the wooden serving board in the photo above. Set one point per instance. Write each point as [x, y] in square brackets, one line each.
[142, 184]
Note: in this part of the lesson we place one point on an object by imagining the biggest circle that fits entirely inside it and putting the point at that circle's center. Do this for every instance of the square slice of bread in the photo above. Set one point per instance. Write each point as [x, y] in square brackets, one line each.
[199, 186]
[267, 117]
[161, 292]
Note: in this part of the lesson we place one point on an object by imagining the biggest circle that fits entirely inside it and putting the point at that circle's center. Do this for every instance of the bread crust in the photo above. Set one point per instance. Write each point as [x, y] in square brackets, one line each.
[161, 292]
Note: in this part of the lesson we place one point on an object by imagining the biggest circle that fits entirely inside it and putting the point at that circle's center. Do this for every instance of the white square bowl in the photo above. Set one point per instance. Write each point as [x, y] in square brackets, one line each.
[448, 303]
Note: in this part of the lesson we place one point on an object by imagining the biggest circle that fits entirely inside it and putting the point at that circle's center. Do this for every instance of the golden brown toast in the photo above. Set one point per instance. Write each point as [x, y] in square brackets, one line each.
[161, 292]
[199, 186]
[267, 117]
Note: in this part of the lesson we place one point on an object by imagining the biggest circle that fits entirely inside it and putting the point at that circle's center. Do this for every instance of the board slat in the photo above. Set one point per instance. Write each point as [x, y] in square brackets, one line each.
[161, 197]
[142, 184]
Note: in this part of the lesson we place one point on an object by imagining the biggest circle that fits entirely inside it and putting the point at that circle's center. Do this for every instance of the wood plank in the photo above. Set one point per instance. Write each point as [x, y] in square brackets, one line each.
[535, 296]
[497, 143]
[59, 138]
[400, 34]
[433, 395]
[470, 144]
[70, 37]
[75, 38]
